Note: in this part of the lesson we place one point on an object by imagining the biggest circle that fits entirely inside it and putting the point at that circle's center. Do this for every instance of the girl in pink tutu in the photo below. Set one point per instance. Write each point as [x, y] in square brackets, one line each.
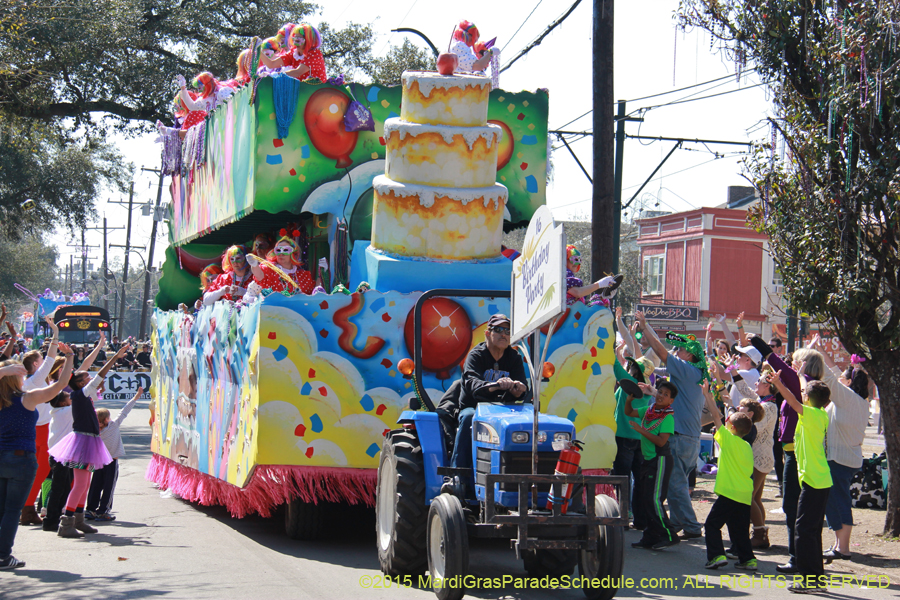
[82, 450]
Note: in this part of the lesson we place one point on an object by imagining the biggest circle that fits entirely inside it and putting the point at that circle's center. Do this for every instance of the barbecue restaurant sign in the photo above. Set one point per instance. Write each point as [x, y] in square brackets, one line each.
[669, 312]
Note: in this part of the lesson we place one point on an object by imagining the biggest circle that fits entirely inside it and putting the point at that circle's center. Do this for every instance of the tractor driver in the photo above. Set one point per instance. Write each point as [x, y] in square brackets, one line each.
[493, 372]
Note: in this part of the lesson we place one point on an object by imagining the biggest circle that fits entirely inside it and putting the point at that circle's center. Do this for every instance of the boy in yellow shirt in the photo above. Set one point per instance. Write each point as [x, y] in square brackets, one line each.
[814, 475]
[734, 488]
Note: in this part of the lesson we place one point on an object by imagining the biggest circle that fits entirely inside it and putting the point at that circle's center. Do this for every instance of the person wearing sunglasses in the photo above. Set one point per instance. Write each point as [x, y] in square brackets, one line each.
[282, 271]
[493, 372]
[233, 282]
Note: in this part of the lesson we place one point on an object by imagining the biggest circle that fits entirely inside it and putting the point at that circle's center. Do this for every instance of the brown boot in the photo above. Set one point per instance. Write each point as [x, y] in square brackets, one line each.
[29, 516]
[80, 525]
[67, 528]
[760, 539]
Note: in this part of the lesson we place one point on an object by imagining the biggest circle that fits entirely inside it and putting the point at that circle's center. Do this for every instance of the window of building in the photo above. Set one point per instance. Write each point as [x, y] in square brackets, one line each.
[654, 274]
[776, 277]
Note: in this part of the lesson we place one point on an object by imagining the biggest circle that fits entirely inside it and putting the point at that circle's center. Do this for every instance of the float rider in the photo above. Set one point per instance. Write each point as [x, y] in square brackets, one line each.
[493, 372]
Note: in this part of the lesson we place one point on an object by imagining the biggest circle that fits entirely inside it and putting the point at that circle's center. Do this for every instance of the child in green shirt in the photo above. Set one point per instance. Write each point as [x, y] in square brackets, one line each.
[656, 425]
[814, 475]
[734, 488]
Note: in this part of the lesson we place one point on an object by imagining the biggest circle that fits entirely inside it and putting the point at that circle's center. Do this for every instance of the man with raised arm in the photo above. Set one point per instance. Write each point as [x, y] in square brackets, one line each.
[687, 369]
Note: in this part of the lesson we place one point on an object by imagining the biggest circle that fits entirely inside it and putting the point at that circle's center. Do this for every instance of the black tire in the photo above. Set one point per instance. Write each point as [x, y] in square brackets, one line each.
[448, 547]
[609, 558]
[400, 509]
[549, 562]
[304, 520]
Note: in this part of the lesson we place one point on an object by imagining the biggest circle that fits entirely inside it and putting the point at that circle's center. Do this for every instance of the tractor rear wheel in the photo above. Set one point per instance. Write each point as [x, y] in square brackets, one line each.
[400, 510]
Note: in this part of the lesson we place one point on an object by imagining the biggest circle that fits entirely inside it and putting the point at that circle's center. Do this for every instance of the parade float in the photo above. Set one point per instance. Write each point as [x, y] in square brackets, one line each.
[287, 399]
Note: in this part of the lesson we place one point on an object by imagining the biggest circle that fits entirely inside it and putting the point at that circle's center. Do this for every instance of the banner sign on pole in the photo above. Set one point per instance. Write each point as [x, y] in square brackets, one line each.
[539, 276]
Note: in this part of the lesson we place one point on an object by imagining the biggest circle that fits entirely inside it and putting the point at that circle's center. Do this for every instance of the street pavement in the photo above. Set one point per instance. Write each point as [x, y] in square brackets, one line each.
[163, 547]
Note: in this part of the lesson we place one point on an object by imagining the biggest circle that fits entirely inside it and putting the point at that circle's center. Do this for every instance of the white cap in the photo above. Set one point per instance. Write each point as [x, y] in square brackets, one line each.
[752, 352]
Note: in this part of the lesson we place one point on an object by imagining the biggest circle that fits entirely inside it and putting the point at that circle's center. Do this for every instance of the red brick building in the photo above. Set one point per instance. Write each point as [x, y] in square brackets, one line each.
[705, 262]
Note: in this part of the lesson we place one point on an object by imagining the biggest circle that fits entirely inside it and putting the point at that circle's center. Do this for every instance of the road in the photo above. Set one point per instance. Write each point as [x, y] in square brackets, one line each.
[167, 548]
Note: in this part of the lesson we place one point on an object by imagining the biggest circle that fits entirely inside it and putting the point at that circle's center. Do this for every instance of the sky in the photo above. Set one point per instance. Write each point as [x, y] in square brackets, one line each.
[650, 58]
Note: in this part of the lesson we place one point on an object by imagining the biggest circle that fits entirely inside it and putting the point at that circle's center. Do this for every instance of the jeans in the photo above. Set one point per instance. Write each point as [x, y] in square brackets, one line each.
[16, 476]
[462, 450]
[790, 498]
[628, 462]
[685, 451]
[839, 511]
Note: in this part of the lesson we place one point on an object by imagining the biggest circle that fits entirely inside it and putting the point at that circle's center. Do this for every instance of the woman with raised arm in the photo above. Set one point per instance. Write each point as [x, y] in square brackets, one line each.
[38, 369]
[18, 460]
[848, 416]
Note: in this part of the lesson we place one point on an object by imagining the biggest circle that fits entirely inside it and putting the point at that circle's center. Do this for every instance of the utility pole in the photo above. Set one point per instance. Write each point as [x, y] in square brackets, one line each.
[125, 271]
[617, 197]
[791, 330]
[71, 271]
[105, 269]
[603, 202]
[145, 306]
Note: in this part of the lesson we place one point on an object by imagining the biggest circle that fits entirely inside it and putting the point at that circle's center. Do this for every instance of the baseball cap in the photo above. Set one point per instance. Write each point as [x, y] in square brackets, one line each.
[498, 320]
[754, 354]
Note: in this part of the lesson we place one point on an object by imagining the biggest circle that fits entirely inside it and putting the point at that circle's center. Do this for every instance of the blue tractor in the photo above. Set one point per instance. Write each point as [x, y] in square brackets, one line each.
[419, 528]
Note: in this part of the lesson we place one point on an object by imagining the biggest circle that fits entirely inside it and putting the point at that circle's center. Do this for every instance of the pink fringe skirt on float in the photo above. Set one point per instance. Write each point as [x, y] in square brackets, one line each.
[269, 486]
[81, 451]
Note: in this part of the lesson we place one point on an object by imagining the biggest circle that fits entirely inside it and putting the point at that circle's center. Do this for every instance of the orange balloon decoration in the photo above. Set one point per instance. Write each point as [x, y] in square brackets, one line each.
[505, 149]
[324, 120]
[406, 366]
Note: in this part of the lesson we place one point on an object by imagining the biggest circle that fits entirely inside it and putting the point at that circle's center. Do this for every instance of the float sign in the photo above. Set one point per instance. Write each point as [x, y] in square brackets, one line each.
[123, 386]
[539, 276]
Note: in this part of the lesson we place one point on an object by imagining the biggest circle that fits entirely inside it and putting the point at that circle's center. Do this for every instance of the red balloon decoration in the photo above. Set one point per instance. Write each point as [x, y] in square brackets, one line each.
[546, 328]
[195, 264]
[324, 119]
[505, 149]
[446, 335]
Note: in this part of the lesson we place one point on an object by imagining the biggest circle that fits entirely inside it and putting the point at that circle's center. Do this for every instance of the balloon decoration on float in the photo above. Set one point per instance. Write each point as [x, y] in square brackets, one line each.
[324, 120]
[446, 335]
[506, 145]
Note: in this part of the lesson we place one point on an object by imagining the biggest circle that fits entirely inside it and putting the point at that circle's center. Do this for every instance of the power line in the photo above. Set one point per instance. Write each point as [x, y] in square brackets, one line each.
[657, 179]
[688, 87]
[521, 26]
[662, 94]
[683, 101]
[537, 41]
[576, 118]
[413, 5]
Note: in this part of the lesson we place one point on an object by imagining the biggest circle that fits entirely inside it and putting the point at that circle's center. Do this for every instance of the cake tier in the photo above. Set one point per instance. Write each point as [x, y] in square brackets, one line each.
[432, 98]
[435, 222]
[441, 155]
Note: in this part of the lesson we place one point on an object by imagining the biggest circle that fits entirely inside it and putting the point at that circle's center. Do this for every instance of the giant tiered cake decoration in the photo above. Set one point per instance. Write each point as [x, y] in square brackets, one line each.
[439, 199]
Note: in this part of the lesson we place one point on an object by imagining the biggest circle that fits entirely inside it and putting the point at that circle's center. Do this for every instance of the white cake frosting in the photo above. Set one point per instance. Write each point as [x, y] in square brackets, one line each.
[495, 194]
[428, 80]
[490, 133]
